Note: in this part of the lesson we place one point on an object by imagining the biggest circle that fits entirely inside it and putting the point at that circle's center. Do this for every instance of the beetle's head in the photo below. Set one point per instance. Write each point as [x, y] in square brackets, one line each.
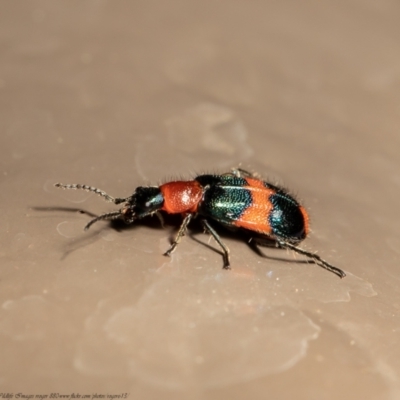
[145, 201]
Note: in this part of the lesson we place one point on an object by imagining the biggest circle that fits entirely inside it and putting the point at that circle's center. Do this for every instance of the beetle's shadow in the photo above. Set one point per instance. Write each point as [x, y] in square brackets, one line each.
[64, 209]
[172, 222]
[93, 234]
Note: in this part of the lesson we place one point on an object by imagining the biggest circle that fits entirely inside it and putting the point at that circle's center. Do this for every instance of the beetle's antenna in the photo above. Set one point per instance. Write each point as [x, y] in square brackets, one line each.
[102, 193]
[111, 215]
[314, 257]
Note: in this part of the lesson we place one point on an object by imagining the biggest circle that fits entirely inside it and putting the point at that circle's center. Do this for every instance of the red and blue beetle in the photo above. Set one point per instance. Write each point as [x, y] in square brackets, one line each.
[237, 199]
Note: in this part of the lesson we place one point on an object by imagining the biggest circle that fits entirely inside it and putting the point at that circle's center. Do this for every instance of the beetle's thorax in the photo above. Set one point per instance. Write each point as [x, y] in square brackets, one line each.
[181, 196]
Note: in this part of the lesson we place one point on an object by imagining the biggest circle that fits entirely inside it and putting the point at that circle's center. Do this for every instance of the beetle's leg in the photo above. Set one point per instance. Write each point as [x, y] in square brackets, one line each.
[179, 235]
[102, 193]
[240, 172]
[215, 235]
[314, 257]
[160, 218]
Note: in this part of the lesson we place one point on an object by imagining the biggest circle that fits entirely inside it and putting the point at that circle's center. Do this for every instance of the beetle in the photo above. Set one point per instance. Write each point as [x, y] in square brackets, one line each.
[237, 199]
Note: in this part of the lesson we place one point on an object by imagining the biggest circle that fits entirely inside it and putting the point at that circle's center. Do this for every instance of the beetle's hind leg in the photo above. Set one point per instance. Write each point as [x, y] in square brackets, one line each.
[215, 235]
[313, 257]
[179, 235]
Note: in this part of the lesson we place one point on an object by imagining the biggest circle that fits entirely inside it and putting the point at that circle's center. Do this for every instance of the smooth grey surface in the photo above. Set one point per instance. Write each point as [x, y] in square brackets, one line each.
[122, 94]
